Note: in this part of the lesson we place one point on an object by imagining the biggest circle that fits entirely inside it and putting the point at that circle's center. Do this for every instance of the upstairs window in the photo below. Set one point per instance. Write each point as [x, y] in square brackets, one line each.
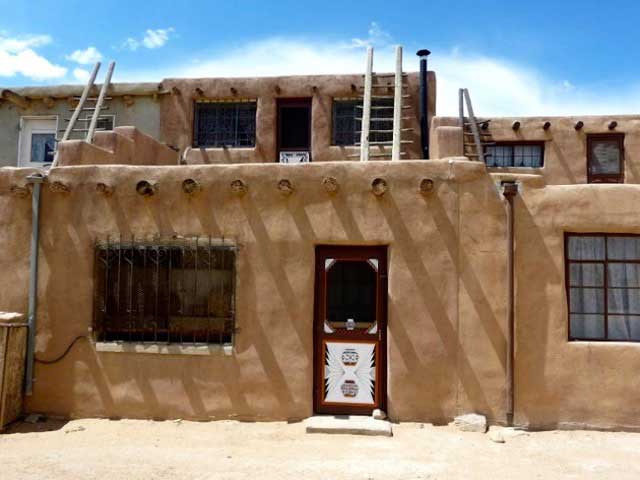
[225, 124]
[605, 158]
[165, 292]
[347, 123]
[603, 286]
[529, 155]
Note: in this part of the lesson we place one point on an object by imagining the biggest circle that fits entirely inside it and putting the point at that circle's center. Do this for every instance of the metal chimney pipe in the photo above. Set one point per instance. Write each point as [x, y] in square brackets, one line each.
[424, 102]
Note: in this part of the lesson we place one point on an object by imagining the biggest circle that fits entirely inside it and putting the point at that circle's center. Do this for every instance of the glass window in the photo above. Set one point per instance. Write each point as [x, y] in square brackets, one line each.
[605, 158]
[603, 286]
[515, 155]
[347, 114]
[351, 294]
[166, 291]
[225, 124]
[43, 146]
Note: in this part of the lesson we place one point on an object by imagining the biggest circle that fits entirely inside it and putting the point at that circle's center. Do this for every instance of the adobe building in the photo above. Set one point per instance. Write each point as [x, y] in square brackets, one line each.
[262, 259]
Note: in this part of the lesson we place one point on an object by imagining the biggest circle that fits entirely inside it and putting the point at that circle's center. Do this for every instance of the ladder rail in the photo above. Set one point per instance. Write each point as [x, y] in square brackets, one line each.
[474, 125]
[397, 107]
[366, 110]
[101, 97]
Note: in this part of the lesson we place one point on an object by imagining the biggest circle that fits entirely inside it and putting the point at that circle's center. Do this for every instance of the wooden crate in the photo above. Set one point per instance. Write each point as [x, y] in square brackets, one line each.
[13, 346]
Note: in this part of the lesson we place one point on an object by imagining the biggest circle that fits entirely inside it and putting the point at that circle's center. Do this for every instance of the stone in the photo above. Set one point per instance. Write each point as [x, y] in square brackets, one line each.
[348, 424]
[496, 436]
[379, 414]
[471, 422]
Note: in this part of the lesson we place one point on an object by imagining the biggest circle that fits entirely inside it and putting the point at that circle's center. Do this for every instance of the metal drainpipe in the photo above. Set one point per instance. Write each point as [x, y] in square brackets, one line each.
[424, 102]
[36, 179]
[509, 191]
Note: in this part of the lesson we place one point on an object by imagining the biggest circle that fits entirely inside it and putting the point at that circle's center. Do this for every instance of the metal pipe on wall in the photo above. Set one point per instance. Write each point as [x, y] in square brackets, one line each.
[424, 102]
[36, 179]
[509, 191]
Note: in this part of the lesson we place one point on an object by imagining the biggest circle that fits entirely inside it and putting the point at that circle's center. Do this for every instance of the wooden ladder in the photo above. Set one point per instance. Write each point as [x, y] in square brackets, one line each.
[473, 130]
[375, 89]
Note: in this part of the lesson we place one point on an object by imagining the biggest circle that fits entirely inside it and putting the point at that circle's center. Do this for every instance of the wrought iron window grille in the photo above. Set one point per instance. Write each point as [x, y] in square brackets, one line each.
[225, 124]
[179, 290]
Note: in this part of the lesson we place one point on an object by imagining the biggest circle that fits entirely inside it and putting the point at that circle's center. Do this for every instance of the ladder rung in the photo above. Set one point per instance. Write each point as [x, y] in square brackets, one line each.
[384, 119]
[392, 75]
[477, 122]
[388, 143]
[83, 130]
[92, 99]
[385, 107]
[408, 129]
[89, 109]
[389, 96]
[88, 119]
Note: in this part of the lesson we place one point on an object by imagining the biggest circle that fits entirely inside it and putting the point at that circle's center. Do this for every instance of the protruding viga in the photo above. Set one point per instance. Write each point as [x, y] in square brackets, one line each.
[191, 186]
[146, 188]
[285, 187]
[238, 187]
[426, 186]
[379, 186]
[104, 189]
[59, 187]
[330, 184]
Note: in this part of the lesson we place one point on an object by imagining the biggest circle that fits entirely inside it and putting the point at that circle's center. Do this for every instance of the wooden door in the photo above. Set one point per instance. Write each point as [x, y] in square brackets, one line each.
[350, 329]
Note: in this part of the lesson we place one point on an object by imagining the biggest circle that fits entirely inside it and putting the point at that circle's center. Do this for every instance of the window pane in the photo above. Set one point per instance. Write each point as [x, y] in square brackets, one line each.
[623, 275]
[500, 156]
[42, 147]
[586, 300]
[586, 274]
[586, 326]
[527, 155]
[623, 248]
[351, 294]
[345, 125]
[226, 124]
[623, 300]
[582, 247]
[605, 156]
[624, 327]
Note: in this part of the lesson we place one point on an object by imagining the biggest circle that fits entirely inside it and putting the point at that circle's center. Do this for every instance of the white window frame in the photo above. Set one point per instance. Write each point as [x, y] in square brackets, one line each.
[22, 145]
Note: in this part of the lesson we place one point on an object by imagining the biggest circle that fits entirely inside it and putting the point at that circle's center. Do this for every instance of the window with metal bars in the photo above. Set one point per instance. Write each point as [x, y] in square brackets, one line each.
[347, 114]
[169, 292]
[605, 158]
[603, 286]
[225, 124]
[515, 155]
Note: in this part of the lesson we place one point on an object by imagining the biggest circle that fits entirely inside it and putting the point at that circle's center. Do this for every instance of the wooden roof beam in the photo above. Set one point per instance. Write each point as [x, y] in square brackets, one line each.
[16, 99]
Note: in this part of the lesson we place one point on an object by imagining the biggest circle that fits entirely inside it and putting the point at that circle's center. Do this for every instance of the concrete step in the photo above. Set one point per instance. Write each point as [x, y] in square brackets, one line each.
[348, 424]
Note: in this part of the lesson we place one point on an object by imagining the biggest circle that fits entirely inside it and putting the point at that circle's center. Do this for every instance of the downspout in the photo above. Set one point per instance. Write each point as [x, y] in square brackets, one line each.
[509, 191]
[424, 102]
[36, 179]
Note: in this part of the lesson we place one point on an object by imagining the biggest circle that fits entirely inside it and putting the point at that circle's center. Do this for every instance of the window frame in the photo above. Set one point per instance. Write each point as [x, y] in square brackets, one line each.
[515, 143]
[104, 288]
[605, 177]
[605, 262]
[374, 136]
[24, 141]
[195, 123]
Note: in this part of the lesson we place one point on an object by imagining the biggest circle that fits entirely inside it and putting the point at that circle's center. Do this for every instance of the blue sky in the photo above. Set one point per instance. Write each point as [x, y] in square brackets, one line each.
[532, 58]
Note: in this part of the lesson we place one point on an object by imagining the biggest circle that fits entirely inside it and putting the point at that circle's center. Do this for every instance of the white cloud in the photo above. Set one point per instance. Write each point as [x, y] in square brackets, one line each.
[81, 74]
[85, 57]
[498, 87]
[377, 36]
[152, 39]
[18, 57]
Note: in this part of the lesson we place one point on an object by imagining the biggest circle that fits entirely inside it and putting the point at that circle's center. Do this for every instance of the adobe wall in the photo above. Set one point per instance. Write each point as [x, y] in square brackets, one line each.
[144, 113]
[436, 256]
[177, 113]
[565, 155]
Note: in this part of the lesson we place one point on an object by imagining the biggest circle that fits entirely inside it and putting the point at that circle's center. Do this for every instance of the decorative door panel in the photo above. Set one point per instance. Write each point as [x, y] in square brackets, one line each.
[350, 329]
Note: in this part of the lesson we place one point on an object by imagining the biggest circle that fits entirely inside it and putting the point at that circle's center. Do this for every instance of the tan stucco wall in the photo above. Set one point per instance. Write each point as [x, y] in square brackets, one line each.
[269, 373]
[565, 149]
[177, 113]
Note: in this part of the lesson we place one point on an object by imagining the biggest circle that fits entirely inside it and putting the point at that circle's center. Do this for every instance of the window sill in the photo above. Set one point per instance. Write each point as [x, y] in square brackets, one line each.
[163, 349]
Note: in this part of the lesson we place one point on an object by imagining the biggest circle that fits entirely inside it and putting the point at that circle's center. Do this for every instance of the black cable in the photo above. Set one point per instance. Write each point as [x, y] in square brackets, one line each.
[64, 354]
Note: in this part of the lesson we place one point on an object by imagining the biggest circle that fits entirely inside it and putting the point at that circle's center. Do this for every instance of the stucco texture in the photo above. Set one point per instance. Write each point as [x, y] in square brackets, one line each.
[446, 286]
[177, 113]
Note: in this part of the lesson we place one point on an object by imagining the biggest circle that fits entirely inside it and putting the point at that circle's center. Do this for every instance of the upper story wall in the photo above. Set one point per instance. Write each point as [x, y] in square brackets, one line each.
[177, 113]
[565, 147]
[131, 105]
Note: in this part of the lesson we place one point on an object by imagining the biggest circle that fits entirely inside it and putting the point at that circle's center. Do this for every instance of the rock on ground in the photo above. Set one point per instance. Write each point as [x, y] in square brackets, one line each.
[471, 422]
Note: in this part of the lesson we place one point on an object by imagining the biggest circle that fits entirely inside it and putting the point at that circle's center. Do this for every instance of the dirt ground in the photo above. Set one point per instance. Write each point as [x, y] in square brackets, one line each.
[134, 449]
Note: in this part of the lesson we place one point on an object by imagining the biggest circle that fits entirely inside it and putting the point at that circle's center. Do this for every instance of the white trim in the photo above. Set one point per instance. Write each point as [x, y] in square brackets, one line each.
[21, 133]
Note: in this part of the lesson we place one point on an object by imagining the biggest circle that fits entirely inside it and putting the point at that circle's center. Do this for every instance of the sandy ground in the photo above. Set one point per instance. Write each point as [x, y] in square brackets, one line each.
[133, 449]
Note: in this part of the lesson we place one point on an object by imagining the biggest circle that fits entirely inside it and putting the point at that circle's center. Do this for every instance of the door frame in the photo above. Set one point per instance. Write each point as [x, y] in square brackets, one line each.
[293, 102]
[350, 252]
